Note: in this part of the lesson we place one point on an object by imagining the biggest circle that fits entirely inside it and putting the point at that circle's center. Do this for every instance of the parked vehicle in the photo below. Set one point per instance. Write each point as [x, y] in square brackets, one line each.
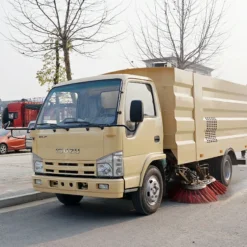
[135, 133]
[29, 141]
[10, 143]
[19, 114]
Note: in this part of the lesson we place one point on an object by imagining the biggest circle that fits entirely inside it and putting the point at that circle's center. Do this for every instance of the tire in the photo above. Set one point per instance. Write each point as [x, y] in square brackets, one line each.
[148, 198]
[69, 200]
[3, 148]
[221, 169]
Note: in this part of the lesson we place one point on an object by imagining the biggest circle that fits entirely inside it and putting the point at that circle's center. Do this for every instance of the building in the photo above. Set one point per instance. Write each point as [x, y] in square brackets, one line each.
[172, 62]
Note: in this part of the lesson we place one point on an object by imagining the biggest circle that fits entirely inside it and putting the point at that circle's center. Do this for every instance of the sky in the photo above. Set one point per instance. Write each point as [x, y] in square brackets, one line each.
[18, 73]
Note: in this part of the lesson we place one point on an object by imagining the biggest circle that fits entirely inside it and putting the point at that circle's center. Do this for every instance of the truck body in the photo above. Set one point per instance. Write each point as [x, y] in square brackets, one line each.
[129, 132]
[202, 116]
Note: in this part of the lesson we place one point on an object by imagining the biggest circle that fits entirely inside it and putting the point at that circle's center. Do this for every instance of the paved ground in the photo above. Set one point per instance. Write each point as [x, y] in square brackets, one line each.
[112, 223]
[15, 174]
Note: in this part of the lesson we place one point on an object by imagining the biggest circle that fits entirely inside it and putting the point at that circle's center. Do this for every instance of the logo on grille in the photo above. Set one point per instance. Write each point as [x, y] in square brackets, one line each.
[68, 150]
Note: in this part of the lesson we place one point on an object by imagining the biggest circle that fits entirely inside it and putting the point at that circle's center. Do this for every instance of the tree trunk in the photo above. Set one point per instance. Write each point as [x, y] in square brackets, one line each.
[56, 79]
[67, 66]
[67, 60]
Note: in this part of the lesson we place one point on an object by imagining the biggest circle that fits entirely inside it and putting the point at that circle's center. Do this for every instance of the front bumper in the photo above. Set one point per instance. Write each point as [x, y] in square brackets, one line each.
[73, 186]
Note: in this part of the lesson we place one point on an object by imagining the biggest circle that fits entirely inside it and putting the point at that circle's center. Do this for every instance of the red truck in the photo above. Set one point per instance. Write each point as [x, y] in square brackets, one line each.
[19, 114]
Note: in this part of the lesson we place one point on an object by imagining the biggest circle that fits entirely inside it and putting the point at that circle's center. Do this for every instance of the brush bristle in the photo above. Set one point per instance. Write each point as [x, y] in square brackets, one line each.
[218, 188]
[205, 195]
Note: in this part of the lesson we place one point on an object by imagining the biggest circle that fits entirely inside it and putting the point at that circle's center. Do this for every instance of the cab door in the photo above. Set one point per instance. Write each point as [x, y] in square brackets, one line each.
[148, 137]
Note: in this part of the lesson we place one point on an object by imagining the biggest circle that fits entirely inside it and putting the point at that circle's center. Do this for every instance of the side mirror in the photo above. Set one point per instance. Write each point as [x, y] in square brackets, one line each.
[136, 111]
[6, 125]
[30, 127]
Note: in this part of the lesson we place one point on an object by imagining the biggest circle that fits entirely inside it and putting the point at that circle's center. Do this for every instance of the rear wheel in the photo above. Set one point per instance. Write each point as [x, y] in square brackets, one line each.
[221, 169]
[69, 200]
[3, 148]
[148, 198]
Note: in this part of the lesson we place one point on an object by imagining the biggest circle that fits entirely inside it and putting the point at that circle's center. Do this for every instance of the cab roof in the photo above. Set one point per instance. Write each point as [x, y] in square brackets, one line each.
[123, 77]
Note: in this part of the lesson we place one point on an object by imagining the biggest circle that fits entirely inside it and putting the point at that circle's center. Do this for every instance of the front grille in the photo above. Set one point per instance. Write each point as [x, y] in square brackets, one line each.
[70, 172]
[67, 164]
[80, 168]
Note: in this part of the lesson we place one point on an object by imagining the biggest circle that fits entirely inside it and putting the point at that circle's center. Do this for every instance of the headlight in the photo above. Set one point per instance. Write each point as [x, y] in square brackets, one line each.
[38, 167]
[37, 164]
[104, 170]
[111, 165]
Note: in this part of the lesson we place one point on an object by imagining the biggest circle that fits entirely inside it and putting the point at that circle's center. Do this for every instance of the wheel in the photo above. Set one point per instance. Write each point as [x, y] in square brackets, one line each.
[148, 197]
[3, 148]
[221, 169]
[69, 200]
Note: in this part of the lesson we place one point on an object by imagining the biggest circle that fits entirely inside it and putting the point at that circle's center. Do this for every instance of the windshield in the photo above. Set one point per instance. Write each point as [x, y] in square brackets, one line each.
[3, 132]
[90, 103]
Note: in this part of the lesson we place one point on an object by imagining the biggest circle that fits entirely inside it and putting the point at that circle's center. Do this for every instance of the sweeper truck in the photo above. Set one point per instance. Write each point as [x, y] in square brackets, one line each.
[142, 134]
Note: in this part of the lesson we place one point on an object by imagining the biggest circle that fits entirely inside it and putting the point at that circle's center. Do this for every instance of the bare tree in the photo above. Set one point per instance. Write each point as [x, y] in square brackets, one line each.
[76, 25]
[189, 30]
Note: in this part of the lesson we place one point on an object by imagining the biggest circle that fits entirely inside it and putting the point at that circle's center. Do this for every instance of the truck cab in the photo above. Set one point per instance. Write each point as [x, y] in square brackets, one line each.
[97, 137]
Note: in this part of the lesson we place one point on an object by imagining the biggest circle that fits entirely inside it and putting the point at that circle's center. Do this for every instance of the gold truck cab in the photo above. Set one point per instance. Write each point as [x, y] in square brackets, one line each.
[97, 137]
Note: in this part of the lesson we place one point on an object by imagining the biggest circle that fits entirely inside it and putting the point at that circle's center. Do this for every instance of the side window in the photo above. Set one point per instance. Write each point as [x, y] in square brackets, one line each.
[143, 92]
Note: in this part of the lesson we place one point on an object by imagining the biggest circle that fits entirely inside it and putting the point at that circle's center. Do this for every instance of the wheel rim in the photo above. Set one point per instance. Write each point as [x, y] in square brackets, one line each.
[152, 190]
[227, 170]
[3, 149]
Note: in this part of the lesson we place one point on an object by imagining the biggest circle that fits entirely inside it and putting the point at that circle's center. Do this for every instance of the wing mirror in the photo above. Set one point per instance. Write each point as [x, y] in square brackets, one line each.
[30, 127]
[6, 125]
[136, 111]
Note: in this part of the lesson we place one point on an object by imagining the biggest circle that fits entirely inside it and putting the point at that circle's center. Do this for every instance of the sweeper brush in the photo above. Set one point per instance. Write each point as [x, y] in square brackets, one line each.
[195, 186]
[195, 194]
[217, 187]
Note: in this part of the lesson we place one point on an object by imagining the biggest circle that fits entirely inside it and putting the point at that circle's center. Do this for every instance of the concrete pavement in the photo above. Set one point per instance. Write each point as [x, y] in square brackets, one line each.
[15, 174]
[15, 180]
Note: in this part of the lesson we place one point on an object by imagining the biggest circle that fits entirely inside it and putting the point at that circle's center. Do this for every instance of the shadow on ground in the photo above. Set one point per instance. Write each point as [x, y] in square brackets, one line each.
[52, 221]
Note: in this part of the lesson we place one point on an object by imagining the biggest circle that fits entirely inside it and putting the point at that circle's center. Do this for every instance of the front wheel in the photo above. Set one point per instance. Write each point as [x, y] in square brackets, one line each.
[3, 148]
[69, 200]
[148, 197]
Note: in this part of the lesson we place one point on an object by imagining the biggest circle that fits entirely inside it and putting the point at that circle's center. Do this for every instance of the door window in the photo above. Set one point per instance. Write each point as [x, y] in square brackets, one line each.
[143, 92]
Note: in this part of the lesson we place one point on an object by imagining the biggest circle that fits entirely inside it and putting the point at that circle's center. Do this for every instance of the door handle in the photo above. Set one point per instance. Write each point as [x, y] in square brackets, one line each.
[156, 139]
